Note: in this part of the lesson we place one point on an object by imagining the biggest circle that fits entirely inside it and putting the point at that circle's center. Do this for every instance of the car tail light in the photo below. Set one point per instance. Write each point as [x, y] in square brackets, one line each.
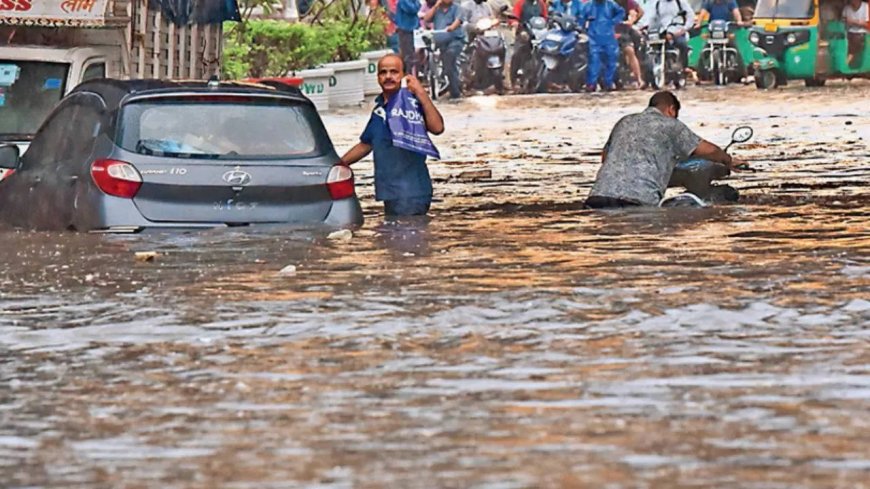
[5, 173]
[117, 178]
[340, 182]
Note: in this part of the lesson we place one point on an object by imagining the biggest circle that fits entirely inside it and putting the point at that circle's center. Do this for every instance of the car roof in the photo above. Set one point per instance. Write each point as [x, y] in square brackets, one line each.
[114, 92]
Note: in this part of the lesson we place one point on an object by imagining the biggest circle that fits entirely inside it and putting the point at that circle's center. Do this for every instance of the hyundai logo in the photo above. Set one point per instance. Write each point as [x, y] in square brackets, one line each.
[237, 177]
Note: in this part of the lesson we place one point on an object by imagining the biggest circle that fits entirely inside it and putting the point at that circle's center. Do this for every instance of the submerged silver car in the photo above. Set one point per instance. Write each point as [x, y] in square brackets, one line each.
[123, 156]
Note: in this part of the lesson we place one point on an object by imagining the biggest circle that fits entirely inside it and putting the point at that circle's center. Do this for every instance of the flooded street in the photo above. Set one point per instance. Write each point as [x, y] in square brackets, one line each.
[515, 340]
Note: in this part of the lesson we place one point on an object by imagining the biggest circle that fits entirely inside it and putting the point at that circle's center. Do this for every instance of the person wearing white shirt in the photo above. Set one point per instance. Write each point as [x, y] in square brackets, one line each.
[675, 16]
[857, 18]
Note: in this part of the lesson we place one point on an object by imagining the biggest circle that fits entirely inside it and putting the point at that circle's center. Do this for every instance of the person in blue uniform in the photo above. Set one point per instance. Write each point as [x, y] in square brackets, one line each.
[600, 18]
[402, 178]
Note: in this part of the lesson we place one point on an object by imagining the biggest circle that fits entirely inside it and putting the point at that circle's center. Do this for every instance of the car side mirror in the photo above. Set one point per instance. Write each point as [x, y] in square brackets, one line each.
[9, 157]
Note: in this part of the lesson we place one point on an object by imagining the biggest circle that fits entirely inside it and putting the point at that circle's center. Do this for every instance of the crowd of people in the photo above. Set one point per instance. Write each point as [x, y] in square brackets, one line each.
[614, 29]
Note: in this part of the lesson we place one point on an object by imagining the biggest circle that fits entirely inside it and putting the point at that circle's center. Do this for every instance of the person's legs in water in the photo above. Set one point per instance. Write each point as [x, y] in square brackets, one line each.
[414, 206]
[593, 70]
[406, 50]
[520, 54]
[450, 64]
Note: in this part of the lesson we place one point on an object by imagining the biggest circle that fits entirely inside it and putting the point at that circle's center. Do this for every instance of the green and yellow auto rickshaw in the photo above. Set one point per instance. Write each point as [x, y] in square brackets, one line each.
[803, 40]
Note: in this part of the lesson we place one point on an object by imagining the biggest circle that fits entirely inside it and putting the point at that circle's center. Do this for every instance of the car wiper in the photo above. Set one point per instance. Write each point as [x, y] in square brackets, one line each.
[146, 146]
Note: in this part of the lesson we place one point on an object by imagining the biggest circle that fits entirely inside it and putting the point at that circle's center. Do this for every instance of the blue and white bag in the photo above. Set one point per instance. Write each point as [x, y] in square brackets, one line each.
[406, 122]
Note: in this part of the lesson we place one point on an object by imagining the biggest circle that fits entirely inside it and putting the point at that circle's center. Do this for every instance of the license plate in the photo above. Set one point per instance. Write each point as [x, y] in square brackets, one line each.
[554, 37]
[770, 27]
[490, 33]
[718, 35]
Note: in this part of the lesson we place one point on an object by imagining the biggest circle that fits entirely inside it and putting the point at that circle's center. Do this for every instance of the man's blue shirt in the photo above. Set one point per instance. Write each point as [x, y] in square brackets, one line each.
[443, 19]
[720, 10]
[406, 15]
[399, 173]
[557, 7]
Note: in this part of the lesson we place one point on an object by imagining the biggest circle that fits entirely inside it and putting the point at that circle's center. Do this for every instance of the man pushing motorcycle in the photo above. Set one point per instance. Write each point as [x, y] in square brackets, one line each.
[600, 17]
[639, 157]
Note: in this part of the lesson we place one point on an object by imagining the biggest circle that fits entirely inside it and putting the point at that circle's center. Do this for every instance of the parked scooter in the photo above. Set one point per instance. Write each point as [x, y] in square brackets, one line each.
[665, 65]
[486, 56]
[719, 60]
[697, 176]
[523, 60]
[562, 56]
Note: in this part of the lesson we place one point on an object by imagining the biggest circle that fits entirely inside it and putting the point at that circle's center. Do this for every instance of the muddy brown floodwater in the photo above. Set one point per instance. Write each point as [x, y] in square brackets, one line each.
[514, 341]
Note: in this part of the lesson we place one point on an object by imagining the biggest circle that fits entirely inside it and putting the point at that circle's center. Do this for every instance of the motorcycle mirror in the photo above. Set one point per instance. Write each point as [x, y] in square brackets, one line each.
[741, 134]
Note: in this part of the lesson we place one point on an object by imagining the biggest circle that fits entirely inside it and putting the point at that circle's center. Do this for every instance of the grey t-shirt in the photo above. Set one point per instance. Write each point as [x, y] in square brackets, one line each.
[641, 154]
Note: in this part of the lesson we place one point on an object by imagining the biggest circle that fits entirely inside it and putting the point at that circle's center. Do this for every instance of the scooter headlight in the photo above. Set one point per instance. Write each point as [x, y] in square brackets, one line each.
[754, 37]
[791, 38]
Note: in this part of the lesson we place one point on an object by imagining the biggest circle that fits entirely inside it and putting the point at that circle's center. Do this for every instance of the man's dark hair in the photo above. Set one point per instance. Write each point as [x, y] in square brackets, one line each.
[664, 99]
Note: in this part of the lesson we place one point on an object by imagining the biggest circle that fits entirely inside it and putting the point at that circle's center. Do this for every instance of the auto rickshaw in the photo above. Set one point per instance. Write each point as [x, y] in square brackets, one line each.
[803, 40]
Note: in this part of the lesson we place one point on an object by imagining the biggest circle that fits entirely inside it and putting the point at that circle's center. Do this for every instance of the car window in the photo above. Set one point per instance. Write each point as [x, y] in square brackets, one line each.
[232, 127]
[96, 70]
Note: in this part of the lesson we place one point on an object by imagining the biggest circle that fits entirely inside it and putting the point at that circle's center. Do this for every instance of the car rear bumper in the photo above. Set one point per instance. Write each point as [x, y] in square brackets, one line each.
[120, 216]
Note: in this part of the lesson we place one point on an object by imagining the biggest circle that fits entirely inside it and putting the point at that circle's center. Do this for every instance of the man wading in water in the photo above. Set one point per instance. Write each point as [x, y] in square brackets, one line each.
[402, 179]
[640, 155]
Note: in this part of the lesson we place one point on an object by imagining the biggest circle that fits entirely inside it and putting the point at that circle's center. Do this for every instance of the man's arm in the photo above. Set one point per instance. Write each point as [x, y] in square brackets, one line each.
[433, 118]
[703, 14]
[456, 23]
[710, 151]
[618, 13]
[737, 17]
[358, 152]
[431, 12]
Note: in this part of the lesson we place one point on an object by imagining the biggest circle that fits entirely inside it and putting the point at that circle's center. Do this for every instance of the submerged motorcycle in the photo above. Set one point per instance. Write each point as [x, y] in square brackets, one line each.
[562, 56]
[697, 175]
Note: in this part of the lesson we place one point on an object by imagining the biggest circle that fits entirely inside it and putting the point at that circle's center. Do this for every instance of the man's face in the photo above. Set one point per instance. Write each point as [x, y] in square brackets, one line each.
[390, 74]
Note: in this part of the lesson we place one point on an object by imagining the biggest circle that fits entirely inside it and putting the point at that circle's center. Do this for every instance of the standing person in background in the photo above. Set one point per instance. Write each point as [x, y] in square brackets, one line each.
[857, 18]
[406, 22]
[676, 17]
[446, 15]
[629, 40]
[600, 18]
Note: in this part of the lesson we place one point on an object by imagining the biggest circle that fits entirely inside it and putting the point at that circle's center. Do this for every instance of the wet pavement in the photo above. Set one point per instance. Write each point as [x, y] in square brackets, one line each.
[515, 340]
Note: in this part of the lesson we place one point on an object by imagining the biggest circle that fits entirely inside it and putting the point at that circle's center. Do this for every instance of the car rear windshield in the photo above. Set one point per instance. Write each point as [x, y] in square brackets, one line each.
[220, 127]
